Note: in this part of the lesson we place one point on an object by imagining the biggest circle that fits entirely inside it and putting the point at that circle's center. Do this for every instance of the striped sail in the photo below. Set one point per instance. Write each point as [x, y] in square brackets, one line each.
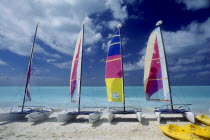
[27, 92]
[75, 76]
[27, 96]
[114, 73]
[155, 73]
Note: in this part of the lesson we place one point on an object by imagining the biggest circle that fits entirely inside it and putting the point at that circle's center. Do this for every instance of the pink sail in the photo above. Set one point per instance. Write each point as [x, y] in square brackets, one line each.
[27, 92]
[155, 73]
[76, 69]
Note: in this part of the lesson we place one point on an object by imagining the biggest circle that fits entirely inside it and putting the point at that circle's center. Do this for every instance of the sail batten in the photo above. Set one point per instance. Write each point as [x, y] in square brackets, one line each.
[75, 76]
[114, 72]
[155, 73]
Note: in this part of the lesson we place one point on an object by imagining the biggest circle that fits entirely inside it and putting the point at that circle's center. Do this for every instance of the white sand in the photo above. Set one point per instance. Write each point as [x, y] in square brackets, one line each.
[123, 127]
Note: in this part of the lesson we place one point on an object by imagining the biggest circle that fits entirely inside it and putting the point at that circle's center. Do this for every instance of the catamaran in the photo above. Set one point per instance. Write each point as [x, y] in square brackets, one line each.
[115, 79]
[34, 113]
[75, 85]
[156, 80]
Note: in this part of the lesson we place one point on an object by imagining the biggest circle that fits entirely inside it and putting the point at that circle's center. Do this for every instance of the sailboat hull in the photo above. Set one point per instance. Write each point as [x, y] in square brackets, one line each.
[19, 115]
[93, 117]
[111, 114]
[12, 116]
[189, 116]
[65, 116]
[139, 116]
[69, 116]
[186, 114]
[39, 115]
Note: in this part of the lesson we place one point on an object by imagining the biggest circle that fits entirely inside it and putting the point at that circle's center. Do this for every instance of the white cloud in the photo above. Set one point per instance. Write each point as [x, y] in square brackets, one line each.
[50, 60]
[135, 66]
[60, 23]
[119, 11]
[113, 24]
[63, 65]
[3, 62]
[102, 60]
[195, 59]
[195, 4]
[183, 68]
[105, 46]
[194, 37]
[204, 73]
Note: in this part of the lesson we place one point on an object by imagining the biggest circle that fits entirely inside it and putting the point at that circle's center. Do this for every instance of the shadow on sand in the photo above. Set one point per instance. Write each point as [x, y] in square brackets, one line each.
[51, 119]
[99, 122]
[164, 120]
[7, 118]
[76, 120]
[145, 121]
[116, 120]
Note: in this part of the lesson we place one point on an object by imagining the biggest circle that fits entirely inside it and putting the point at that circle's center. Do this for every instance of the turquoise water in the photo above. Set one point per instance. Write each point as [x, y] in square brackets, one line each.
[58, 97]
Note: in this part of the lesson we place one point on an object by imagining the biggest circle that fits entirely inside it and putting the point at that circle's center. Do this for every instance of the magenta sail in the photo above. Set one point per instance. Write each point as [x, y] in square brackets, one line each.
[154, 84]
[155, 73]
[75, 76]
[27, 92]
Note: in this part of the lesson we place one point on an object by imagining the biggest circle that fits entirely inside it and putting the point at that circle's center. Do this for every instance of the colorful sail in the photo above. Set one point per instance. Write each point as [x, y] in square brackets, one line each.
[27, 92]
[155, 73]
[27, 96]
[76, 69]
[114, 72]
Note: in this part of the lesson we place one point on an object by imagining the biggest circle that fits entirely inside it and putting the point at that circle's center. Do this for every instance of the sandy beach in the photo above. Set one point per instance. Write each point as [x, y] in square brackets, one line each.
[123, 127]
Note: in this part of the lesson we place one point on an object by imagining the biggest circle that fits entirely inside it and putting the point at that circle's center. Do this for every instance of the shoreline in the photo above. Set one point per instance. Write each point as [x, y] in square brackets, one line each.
[123, 127]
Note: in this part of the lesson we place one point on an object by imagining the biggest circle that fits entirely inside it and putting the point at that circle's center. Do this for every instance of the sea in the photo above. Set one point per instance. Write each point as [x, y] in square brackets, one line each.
[58, 97]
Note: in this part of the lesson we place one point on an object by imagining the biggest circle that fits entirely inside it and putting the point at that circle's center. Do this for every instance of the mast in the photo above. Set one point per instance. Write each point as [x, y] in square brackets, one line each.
[119, 27]
[83, 24]
[159, 24]
[29, 67]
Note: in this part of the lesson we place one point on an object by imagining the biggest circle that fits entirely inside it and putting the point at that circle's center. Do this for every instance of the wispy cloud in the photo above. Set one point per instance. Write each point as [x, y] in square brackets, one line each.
[183, 68]
[195, 4]
[63, 65]
[134, 66]
[113, 24]
[194, 37]
[3, 62]
[60, 22]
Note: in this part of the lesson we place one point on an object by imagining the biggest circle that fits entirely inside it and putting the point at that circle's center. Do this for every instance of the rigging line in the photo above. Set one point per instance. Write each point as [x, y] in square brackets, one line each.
[18, 92]
[178, 98]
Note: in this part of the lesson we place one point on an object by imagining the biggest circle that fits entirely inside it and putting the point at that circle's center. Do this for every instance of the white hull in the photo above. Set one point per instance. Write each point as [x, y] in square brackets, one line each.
[39, 116]
[111, 116]
[93, 117]
[158, 116]
[139, 116]
[65, 117]
[12, 116]
[189, 116]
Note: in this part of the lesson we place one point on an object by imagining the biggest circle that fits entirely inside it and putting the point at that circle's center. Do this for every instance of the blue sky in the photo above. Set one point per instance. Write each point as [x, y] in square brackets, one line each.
[186, 33]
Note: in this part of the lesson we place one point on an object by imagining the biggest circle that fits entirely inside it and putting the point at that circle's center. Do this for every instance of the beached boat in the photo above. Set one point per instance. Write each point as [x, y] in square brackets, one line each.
[176, 132]
[156, 79]
[114, 79]
[203, 119]
[202, 131]
[34, 113]
[75, 86]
